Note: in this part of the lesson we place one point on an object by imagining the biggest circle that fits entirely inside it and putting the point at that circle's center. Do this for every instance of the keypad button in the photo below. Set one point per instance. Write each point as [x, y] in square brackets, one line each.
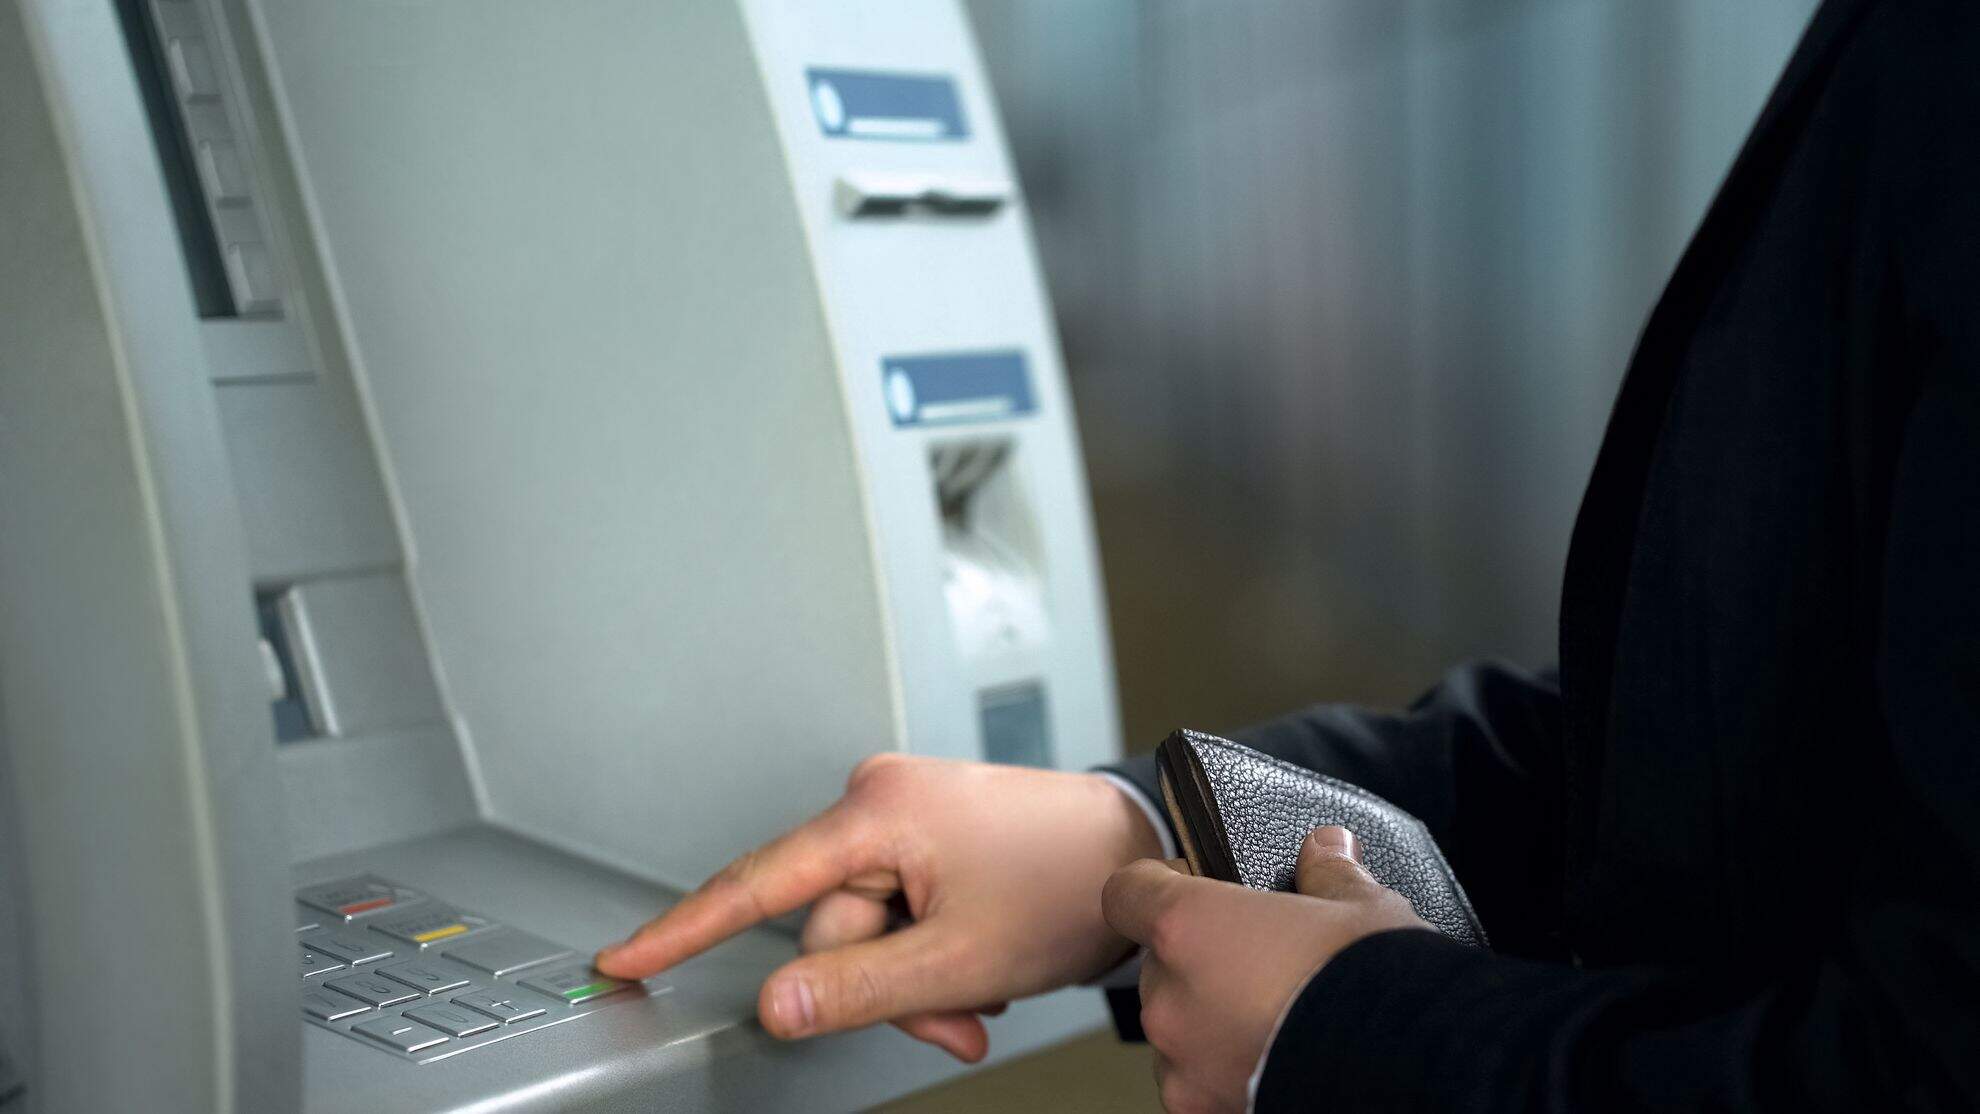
[506, 951]
[395, 1032]
[452, 1020]
[430, 924]
[424, 976]
[506, 1007]
[349, 898]
[315, 963]
[328, 1005]
[350, 945]
[575, 984]
[375, 989]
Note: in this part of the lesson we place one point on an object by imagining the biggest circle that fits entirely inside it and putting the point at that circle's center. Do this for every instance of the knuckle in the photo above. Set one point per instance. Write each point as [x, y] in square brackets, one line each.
[877, 770]
[1172, 933]
[1159, 1024]
[1179, 1098]
[1362, 885]
[1337, 873]
[1333, 862]
[739, 869]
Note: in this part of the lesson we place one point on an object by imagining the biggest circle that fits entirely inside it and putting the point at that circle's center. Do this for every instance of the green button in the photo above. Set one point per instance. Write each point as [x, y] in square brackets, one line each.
[575, 984]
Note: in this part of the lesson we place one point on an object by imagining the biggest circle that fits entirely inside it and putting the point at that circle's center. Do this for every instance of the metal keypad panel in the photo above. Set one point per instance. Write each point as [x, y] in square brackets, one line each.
[415, 977]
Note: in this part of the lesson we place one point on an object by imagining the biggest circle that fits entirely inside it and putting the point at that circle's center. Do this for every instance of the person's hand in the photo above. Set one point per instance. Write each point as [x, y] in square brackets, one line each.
[999, 867]
[1224, 961]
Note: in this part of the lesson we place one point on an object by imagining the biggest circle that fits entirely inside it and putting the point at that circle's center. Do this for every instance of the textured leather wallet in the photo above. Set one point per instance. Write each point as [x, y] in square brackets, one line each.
[1242, 815]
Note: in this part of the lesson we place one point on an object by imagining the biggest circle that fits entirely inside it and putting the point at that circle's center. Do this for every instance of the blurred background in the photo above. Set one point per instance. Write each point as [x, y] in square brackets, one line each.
[1346, 288]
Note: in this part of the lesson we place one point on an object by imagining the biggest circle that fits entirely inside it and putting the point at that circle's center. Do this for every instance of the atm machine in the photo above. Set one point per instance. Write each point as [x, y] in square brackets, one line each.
[468, 468]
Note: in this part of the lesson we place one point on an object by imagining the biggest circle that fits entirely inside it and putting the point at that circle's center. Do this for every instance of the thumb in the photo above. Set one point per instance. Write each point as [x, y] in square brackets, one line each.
[1138, 894]
[907, 972]
[1330, 864]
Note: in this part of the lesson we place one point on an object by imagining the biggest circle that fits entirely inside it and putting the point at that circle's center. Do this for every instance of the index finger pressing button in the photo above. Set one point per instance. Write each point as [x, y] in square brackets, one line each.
[790, 871]
[576, 984]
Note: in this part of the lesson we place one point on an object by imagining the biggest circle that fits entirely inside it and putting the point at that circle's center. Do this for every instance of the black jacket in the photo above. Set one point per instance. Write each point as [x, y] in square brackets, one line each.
[1730, 858]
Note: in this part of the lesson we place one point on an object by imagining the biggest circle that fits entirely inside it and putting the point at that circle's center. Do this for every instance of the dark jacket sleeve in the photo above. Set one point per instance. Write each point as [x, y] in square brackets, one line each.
[1477, 759]
[1870, 1010]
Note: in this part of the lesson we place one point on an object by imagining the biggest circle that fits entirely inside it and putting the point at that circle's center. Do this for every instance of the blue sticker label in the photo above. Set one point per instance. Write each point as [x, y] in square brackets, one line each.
[966, 387]
[857, 104]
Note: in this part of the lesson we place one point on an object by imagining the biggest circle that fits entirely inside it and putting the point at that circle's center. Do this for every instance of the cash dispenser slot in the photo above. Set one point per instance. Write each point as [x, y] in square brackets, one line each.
[993, 576]
[286, 703]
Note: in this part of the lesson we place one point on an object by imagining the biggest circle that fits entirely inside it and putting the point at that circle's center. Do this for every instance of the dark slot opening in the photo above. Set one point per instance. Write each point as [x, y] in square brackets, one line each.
[200, 247]
[292, 718]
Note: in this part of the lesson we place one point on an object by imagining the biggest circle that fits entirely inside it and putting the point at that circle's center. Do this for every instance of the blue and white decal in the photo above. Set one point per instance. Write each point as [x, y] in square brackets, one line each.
[954, 388]
[861, 104]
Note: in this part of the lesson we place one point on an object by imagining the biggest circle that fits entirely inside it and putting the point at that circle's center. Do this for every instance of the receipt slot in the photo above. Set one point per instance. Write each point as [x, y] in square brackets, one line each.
[467, 470]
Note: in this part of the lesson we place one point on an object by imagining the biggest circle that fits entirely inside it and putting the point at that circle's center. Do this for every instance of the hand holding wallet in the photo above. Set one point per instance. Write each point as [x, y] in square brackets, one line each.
[1241, 817]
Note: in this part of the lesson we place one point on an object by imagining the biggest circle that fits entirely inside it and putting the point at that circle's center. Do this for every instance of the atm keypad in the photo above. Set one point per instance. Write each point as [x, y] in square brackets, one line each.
[410, 975]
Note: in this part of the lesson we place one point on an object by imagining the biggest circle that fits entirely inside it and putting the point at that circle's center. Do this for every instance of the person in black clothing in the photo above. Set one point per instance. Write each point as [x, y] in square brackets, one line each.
[1729, 856]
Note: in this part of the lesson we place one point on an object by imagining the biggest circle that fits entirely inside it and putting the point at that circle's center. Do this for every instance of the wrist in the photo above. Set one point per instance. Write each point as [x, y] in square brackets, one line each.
[1137, 825]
